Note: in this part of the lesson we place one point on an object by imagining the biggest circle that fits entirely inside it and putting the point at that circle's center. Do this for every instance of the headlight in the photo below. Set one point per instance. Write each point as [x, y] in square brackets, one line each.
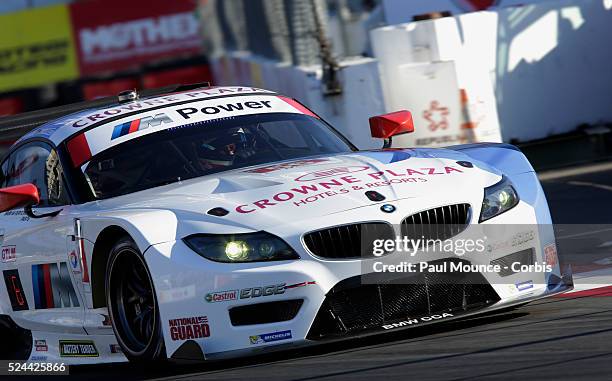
[235, 248]
[498, 199]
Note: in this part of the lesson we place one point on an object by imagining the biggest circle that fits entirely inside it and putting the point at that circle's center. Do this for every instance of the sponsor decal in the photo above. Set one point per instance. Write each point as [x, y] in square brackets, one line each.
[283, 166]
[221, 296]
[77, 348]
[73, 260]
[423, 319]
[52, 286]
[328, 185]
[15, 290]
[550, 254]
[144, 105]
[38, 358]
[270, 337]
[523, 237]
[115, 348]
[1, 236]
[223, 108]
[524, 285]
[517, 240]
[189, 328]
[253, 292]
[139, 125]
[177, 294]
[9, 253]
[41, 345]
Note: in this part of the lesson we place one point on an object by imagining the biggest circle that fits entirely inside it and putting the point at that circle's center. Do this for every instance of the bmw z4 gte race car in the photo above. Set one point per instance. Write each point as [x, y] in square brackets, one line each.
[226, 221]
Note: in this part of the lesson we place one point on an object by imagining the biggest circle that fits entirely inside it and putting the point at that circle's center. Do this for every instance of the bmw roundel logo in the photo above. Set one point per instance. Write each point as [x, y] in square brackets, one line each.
[388, 208]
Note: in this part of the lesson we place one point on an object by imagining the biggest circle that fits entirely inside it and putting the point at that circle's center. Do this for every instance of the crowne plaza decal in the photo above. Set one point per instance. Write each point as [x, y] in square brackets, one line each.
[343, 180]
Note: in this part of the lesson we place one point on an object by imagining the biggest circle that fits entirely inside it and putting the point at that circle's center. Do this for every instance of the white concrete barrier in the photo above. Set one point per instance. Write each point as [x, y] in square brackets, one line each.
[548, 63]
[426, 70]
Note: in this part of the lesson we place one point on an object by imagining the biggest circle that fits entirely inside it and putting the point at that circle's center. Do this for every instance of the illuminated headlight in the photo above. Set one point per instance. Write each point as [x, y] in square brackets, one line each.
[498, 199]
[250, 247]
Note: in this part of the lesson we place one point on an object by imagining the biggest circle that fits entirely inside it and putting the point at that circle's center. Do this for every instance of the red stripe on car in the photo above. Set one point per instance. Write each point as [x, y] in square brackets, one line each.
[134, 126]
[79, 151]
[298, 106]
[48, 287]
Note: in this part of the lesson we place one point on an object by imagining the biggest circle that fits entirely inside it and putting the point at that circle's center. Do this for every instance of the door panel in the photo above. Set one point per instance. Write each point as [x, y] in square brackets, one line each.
[36, 254]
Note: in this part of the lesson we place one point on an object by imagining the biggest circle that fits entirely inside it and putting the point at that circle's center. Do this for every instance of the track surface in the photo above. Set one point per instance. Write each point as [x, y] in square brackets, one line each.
[565, 338]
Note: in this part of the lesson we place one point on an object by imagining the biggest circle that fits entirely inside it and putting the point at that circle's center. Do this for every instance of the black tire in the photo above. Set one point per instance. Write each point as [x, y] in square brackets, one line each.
[132, 305]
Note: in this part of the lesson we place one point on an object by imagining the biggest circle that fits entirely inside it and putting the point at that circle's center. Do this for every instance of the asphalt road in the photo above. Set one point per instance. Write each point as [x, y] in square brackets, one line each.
[563, 338]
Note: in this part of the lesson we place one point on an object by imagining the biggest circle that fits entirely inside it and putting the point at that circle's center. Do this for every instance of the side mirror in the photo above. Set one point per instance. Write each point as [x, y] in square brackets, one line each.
[18, 196]
[387, 125]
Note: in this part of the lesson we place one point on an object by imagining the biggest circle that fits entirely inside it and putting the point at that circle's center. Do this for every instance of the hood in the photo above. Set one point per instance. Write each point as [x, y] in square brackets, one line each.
[272, 194]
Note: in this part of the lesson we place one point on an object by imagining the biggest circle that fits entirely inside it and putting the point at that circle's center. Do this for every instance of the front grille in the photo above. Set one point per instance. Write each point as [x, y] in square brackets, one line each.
[524, 257]
[439, 223]
[351, 307]
[341, 242]
[264, 313]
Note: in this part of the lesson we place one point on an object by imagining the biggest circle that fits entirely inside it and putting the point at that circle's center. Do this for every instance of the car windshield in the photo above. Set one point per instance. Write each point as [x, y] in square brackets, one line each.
[200, 149]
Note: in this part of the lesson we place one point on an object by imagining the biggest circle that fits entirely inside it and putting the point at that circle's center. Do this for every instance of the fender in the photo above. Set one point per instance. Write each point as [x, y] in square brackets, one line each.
[138, 223]
[507, 158]
[514, 164]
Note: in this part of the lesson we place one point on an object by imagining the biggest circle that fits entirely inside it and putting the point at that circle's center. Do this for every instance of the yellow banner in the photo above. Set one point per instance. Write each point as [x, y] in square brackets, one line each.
[36, 48]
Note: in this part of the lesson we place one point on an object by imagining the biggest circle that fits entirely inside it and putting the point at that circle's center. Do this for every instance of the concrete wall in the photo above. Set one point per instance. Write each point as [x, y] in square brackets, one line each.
[548, 63]
[552, 67]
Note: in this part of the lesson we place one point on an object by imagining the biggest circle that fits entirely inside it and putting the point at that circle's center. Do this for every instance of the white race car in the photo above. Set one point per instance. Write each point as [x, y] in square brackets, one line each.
[224, 221]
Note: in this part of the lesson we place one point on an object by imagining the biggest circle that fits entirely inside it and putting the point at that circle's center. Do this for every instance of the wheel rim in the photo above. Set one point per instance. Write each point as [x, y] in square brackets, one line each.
[132, 301]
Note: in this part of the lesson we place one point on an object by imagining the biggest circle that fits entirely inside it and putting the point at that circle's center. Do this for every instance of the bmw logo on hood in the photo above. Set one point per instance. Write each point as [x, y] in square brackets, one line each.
[388, 208]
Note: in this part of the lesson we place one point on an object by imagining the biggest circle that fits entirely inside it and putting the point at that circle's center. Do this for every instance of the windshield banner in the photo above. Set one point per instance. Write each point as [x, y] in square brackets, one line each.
[101, 138]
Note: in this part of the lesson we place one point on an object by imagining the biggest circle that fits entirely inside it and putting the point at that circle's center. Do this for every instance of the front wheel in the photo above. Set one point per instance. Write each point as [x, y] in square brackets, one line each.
[132, 304]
